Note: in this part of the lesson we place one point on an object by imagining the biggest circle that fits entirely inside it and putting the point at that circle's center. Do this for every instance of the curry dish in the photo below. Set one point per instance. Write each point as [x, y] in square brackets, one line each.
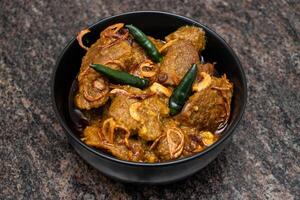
[150, 100]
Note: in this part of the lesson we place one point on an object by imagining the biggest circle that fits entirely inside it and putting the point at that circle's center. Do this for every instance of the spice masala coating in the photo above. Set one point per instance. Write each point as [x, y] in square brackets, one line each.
[134, 123]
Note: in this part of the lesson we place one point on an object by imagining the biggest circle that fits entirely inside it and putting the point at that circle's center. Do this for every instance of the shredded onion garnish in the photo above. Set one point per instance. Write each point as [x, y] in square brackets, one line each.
[148, 69]
[175, 139]
[226, 104]
[108, 129]
[205, 83]
[127, 133]
[160, 89]
[133, 110]
[120, 91]
[103, 143]
[80, 36]
[116, 62]
[107, 133]
[221, 127]
[120, 38]
[221, 88]
[98, 84]
[143, 95]
[156, 141]
[168, 44]
[112, 30]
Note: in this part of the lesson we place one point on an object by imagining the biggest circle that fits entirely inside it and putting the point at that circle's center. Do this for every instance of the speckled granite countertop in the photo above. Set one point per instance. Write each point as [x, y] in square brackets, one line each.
[262, 162]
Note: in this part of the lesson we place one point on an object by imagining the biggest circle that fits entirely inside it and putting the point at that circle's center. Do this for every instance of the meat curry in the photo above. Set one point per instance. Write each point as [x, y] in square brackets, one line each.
[136, 79]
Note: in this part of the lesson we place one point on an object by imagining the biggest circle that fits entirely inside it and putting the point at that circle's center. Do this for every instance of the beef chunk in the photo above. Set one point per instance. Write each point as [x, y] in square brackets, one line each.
[178, 60]
[210, 108]
[194, 34]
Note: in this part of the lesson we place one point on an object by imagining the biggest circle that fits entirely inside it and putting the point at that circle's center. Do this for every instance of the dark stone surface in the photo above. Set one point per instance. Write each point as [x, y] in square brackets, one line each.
[262, 162]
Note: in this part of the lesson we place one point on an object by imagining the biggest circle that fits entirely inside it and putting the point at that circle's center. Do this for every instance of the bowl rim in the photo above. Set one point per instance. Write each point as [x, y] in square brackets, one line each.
[229, 131]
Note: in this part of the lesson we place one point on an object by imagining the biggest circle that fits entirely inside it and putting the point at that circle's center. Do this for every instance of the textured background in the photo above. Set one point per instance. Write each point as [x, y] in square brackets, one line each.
[262, 162]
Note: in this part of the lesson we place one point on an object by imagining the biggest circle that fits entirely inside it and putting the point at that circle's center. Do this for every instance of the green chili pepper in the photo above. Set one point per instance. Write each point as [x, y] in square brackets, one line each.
[182, 91]
[143, 40]
[120, 76]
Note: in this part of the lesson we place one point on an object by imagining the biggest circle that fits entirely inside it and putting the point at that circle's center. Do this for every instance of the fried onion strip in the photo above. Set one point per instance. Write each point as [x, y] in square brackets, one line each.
[117, 62]
[148, 69]
[131, 95]
[153, 145]
[107, 133]
[220, 88]
[226, 105]
[205, 83]
[127, 135]
[175, 149]
[123, 37]
[133, 111]
[80, 36]
[96, 84]
[108, 129]
[113, 29]
[168, 44]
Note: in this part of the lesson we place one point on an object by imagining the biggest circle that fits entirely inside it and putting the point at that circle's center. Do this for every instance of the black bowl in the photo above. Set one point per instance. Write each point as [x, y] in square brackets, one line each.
[157, 24]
